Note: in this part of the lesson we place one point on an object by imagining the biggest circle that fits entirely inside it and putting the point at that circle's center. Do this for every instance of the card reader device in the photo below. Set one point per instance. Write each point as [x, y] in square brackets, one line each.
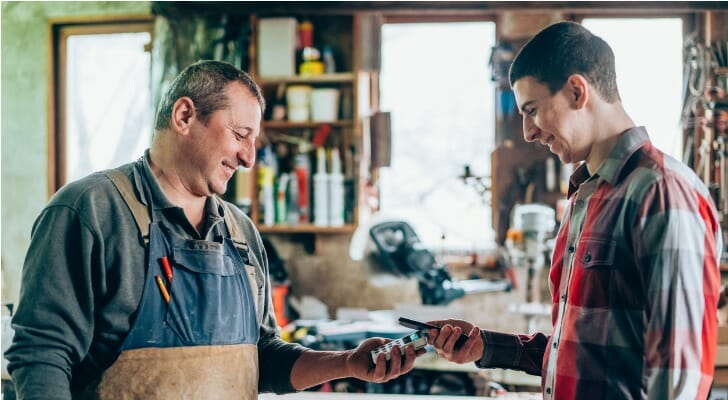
[417, 340]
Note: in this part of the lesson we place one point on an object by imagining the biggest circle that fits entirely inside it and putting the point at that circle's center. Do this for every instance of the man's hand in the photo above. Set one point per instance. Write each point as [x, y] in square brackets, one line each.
[361, 367]
[443, 340]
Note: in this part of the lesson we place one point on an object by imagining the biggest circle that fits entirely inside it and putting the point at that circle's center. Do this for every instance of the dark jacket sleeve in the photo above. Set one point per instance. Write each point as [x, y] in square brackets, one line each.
[511, 351]
[54, 320]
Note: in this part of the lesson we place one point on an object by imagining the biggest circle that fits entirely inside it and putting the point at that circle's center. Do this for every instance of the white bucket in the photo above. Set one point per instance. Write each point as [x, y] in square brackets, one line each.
[298, 96]
[325, 105]
[298, 114]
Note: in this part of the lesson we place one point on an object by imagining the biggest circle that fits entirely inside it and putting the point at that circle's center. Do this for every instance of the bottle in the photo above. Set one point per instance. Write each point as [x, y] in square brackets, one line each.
[244, 189]
[303, 172]
[281, 201]
[266, 176]
[329, 62]
[336, 191]
[309, 55]
[278, 112]
[349, 185]
[305, 34]
[293, 210]
[321, 190]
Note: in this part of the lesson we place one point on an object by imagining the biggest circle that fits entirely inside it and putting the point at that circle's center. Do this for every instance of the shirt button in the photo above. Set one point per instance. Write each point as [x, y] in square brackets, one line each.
[571, 249]
[587, 258]
[548, 390]
[563, 297]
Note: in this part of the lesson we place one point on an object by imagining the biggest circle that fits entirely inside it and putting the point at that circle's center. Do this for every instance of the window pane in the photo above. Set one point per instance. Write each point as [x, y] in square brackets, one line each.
[648, 55]
[435, 81]
[108, 109]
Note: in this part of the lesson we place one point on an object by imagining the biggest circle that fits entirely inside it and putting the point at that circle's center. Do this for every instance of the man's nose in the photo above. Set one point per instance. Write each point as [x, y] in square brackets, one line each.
[246, 155]
[530, 130]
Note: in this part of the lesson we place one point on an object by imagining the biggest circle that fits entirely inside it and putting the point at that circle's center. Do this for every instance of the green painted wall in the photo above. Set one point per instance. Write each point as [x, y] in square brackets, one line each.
[24, 86]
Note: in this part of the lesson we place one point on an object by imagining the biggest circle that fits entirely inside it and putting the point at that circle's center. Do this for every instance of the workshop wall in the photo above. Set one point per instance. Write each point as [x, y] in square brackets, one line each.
[332, 277]
[25, 35]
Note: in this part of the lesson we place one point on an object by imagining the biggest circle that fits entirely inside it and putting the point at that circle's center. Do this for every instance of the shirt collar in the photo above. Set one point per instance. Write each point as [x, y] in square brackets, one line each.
[611, 168]
[160, 200]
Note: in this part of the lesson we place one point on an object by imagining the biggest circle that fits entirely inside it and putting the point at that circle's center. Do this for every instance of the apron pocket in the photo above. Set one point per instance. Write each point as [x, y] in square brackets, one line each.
[208, 304]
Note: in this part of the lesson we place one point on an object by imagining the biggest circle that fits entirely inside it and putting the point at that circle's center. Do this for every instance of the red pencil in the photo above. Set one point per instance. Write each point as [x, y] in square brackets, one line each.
[166, 268]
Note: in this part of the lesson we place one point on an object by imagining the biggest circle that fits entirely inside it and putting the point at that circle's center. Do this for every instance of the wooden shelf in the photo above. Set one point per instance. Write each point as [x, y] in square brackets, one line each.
[305, 228]
[338, 77]
[305, 124]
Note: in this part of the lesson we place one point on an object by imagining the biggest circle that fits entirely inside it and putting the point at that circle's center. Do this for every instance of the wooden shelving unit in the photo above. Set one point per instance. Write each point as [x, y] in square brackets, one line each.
[340, 33]
[306, 228]
[306, 124]
[336, 77]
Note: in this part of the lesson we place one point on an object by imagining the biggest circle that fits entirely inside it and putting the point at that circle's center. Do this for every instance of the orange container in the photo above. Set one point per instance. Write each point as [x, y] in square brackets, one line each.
[279, 303]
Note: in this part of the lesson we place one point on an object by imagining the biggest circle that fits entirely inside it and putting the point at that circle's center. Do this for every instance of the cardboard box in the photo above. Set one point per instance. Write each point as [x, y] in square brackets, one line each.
[721, 356]
[722, 334]
[277, 47]
[720, 378]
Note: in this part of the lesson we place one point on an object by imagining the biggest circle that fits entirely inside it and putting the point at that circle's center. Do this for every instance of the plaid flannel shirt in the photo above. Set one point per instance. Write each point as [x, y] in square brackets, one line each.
[634, 283]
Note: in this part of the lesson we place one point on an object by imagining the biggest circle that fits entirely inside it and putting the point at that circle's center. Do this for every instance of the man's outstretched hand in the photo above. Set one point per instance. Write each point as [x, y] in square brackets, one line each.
[444, 339]
[360, 365]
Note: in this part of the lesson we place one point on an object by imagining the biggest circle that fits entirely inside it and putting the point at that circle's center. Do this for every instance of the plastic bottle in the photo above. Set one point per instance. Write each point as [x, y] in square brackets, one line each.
[266, 175]
[321, 190]
[278, 112]
[329, 62]
[336, 191]
[293, 210]
[302, 170]
[281, 201]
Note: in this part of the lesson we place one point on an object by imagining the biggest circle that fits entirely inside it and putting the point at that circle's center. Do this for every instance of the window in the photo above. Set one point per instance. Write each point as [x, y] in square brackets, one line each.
[103, 101]
[648, 53]
[435, 82]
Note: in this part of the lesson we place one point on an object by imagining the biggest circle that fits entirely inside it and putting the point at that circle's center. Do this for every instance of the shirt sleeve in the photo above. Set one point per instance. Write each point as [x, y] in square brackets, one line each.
[512, 351]
[54, 320]
[677, 244]
[276, 357]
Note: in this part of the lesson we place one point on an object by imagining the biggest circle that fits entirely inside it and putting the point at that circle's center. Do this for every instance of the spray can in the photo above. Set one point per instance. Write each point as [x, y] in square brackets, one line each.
[303, 174]
[336, 191]
[321, 190]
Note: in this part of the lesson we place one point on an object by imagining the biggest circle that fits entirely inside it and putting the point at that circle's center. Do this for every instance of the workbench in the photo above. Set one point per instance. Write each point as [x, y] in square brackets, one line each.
[366, 396]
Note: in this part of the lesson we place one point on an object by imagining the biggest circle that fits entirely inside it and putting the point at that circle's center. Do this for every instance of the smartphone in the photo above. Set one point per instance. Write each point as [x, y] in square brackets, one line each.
[410, 323]
[417, 340]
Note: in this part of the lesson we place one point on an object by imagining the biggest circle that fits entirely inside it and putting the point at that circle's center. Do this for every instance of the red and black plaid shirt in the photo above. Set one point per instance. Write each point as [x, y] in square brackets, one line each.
[634, 283]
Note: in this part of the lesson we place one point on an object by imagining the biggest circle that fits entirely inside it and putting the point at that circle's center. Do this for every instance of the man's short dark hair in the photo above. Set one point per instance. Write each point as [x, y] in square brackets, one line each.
[563, 49]
[204, 82]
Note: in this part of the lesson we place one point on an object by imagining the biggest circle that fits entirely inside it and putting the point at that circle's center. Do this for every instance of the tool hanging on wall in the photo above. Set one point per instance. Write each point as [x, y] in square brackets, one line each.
[694, 82]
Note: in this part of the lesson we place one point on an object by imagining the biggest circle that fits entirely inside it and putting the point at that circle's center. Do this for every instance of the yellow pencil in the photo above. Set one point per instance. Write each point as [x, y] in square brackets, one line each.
[162, 288]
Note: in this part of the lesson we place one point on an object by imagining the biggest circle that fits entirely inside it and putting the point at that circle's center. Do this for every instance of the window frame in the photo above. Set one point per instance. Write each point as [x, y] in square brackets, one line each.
[60, 30]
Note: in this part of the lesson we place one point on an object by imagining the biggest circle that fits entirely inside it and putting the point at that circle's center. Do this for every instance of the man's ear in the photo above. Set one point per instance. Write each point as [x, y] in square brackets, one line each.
[578, 90]
[183, 112]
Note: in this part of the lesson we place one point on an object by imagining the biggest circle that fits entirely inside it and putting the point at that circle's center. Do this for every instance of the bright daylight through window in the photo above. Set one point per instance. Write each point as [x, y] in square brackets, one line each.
[109, 114]
[648, 57]
[435, 81]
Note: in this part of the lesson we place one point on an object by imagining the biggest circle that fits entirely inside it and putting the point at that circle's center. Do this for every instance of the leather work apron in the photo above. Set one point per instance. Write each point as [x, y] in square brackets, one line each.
[200, 345]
